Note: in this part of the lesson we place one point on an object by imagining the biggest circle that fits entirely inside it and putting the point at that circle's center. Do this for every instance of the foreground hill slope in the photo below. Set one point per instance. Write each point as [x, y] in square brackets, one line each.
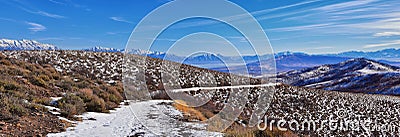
[355, 75]
[289, 103]
[25, 88]
[22, 95]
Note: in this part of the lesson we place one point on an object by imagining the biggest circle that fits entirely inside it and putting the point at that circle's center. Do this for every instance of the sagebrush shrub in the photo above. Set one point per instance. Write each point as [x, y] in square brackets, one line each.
[96, 105]
[37, 81]
[71, 105]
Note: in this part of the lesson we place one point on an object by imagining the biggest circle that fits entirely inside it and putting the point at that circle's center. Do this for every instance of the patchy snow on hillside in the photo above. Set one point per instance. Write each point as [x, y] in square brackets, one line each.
[355, 75]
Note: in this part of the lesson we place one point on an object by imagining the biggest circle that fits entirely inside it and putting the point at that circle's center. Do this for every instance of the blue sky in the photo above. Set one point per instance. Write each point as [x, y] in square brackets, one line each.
[313, 26]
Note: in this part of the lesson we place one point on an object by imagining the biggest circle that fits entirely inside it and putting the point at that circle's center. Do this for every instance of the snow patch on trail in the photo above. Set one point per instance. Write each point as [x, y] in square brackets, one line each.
[150, 118]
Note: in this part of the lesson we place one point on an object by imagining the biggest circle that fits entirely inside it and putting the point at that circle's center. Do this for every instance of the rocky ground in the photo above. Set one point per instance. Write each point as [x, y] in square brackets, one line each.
[302, 104]
[39, 124]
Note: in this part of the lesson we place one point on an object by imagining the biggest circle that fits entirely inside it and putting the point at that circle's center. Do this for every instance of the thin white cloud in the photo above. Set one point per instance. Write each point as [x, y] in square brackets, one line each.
[284, 7]
[30, 9]
[8, 19]
[301, 28]
[390, 43]
[387, 34]
[51, 38]
[368, 9]
[319, 48]
[43, 13]
[49, 14]
[57, 2]
[345, 5]
[112, 33]
[116, 33]
[35, 27]
[164, 1]
[329, 13]
[356, 10]
[362, 17]
[379, 25]
[120, 19]
[240, 17]
[72, 4]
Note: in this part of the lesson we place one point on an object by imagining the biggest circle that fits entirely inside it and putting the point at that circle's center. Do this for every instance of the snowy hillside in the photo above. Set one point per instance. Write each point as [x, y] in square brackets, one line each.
[355, 75]
[107, 66]
[7, 44]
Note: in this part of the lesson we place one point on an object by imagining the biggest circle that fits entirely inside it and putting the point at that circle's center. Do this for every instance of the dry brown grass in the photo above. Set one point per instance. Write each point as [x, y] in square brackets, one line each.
[35, 83]
[86, 91]
[189, 113]
[254, 132]
[235, 130]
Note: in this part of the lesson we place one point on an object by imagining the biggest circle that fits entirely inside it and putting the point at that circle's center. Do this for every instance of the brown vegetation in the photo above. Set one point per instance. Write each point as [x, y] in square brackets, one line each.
[253, 132]
[25, 87]
[189, 113]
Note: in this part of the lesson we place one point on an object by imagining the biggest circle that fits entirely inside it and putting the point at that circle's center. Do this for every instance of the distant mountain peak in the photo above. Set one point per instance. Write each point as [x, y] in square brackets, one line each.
[145, 52]
[290, 53]
[388, 54]
[204, 58]
[103, 49]
[206, 55]
[357, 60]
[364, 65]
[24, 44]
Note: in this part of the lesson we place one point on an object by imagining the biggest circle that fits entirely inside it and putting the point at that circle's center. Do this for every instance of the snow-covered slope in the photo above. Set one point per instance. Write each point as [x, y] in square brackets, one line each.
[107, 66]
[356, 75]
[7, 44]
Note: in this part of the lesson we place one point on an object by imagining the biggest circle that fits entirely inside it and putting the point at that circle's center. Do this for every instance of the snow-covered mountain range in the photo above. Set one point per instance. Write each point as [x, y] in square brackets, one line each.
[285, 61]
[386, 54]
[103, 49]
[354, 75]
[7, 44]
